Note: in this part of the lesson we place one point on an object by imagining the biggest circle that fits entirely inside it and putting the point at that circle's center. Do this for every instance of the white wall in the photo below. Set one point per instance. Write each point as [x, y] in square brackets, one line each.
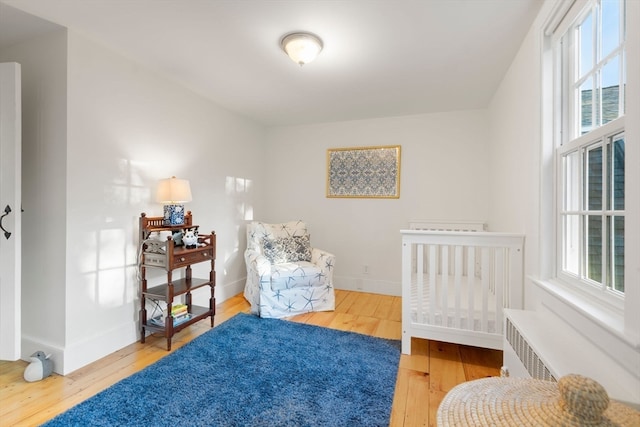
[128, 128]
[44, 123]
[445, 175]
[514, 123]
[99, 131]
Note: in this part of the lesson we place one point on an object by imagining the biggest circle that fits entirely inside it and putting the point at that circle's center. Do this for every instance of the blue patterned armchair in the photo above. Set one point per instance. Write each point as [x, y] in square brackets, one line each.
[285, 275]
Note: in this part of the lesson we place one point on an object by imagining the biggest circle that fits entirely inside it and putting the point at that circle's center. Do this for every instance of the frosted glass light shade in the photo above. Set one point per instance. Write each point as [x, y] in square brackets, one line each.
[173, 190]
[302, 48]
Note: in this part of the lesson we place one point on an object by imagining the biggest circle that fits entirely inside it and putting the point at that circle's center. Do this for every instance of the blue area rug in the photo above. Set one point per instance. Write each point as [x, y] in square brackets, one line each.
[255, 372]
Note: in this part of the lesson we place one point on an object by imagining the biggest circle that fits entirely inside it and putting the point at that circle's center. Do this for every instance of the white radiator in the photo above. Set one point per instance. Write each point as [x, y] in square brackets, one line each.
[520, 359]
[539, 344]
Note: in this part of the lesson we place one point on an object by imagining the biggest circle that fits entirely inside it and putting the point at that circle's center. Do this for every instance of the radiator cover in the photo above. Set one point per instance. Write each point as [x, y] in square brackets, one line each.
[520, 359]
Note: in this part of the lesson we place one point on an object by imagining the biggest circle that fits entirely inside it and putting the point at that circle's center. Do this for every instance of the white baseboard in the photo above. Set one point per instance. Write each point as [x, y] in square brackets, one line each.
[373, 286]
[96, 347]
[229, 290]
[75, 356]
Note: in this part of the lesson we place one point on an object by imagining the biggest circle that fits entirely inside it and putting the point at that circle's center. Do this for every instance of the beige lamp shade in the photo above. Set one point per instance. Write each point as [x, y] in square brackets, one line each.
[173, 190]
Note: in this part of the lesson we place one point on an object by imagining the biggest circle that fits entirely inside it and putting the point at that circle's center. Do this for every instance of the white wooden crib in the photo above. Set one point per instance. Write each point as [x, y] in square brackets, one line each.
[455, 284]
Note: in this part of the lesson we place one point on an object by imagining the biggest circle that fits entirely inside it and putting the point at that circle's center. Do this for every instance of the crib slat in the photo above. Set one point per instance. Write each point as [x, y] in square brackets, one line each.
[444, 267]
[471, 279]
[457, 260]
[420, 282]
[486, 276]
[499, 281]
[433, 269]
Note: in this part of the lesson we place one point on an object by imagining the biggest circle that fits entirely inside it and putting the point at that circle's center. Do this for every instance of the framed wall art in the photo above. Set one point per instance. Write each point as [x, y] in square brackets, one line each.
[366, 172]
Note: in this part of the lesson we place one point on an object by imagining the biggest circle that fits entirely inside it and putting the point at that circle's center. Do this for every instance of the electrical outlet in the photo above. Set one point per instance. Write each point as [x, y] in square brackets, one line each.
[365, 269]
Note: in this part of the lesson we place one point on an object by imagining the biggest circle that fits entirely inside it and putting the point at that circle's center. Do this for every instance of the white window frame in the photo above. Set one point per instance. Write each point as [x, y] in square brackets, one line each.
[595, 289]
[565, 117]
[615, 331]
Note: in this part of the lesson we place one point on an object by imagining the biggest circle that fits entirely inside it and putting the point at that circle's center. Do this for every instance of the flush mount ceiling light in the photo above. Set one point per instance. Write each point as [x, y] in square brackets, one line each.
[302, 48]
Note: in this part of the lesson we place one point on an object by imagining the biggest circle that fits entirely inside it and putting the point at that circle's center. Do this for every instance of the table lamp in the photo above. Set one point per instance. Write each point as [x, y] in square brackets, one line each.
[173, 192]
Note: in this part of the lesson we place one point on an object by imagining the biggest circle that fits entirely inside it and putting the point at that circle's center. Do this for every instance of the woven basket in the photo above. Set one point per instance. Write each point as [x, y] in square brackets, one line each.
[573, 401]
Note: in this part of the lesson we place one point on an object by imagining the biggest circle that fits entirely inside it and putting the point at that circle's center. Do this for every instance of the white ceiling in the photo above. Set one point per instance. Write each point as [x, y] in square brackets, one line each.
[381, 57]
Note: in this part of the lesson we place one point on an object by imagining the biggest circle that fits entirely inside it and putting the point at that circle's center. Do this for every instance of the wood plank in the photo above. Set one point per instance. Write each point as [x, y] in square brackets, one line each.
[445, 366]
[343, 321]
[384, 308]
[365, 305]
[301, 318]
[365, 325]
[13, 372]
[389, 308]
[435, 397]
[419, 358]
[398, 408]
[446, 371]
[417, 407]
[321, 318]
[340, 295]
[396, 312]
[344, 300]
[480, 362]
[389, 329]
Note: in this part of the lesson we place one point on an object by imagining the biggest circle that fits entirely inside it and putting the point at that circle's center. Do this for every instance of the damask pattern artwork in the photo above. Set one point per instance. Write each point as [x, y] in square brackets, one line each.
[365, 172]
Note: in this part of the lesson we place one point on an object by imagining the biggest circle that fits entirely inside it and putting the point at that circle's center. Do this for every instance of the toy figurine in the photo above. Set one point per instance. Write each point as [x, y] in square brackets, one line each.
[190, 238]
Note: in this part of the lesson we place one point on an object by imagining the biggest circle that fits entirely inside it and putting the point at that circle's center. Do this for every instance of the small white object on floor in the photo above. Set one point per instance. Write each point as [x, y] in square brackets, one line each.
[40, 367]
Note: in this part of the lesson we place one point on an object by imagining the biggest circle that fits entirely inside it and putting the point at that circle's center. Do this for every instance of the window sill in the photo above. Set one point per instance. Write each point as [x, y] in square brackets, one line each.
[601, 315]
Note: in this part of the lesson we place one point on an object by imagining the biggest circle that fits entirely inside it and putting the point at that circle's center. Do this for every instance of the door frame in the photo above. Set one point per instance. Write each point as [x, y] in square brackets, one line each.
[11, 196]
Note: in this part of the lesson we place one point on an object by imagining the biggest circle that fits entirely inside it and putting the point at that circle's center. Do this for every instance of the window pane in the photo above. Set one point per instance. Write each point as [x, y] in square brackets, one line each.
[617, 275]
[594, 247]
[571, 233]
[610, 90]
[599, 86]
[572, 177]
[586, 103]
[617, 172]
[594, 179]
[585, 37]
[610, 26]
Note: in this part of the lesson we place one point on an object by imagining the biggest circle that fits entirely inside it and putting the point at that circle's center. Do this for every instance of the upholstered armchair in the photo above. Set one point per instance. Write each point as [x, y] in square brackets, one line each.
[285, 275]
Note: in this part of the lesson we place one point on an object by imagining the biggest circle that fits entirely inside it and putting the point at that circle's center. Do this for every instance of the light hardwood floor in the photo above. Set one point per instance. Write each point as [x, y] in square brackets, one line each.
[423, 378]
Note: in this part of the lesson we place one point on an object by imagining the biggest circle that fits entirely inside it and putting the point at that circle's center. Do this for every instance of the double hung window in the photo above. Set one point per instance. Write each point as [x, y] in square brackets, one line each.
[590, 149]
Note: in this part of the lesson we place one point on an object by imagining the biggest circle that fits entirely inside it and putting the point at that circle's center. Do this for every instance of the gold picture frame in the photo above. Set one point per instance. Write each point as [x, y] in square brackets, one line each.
[364, 172]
